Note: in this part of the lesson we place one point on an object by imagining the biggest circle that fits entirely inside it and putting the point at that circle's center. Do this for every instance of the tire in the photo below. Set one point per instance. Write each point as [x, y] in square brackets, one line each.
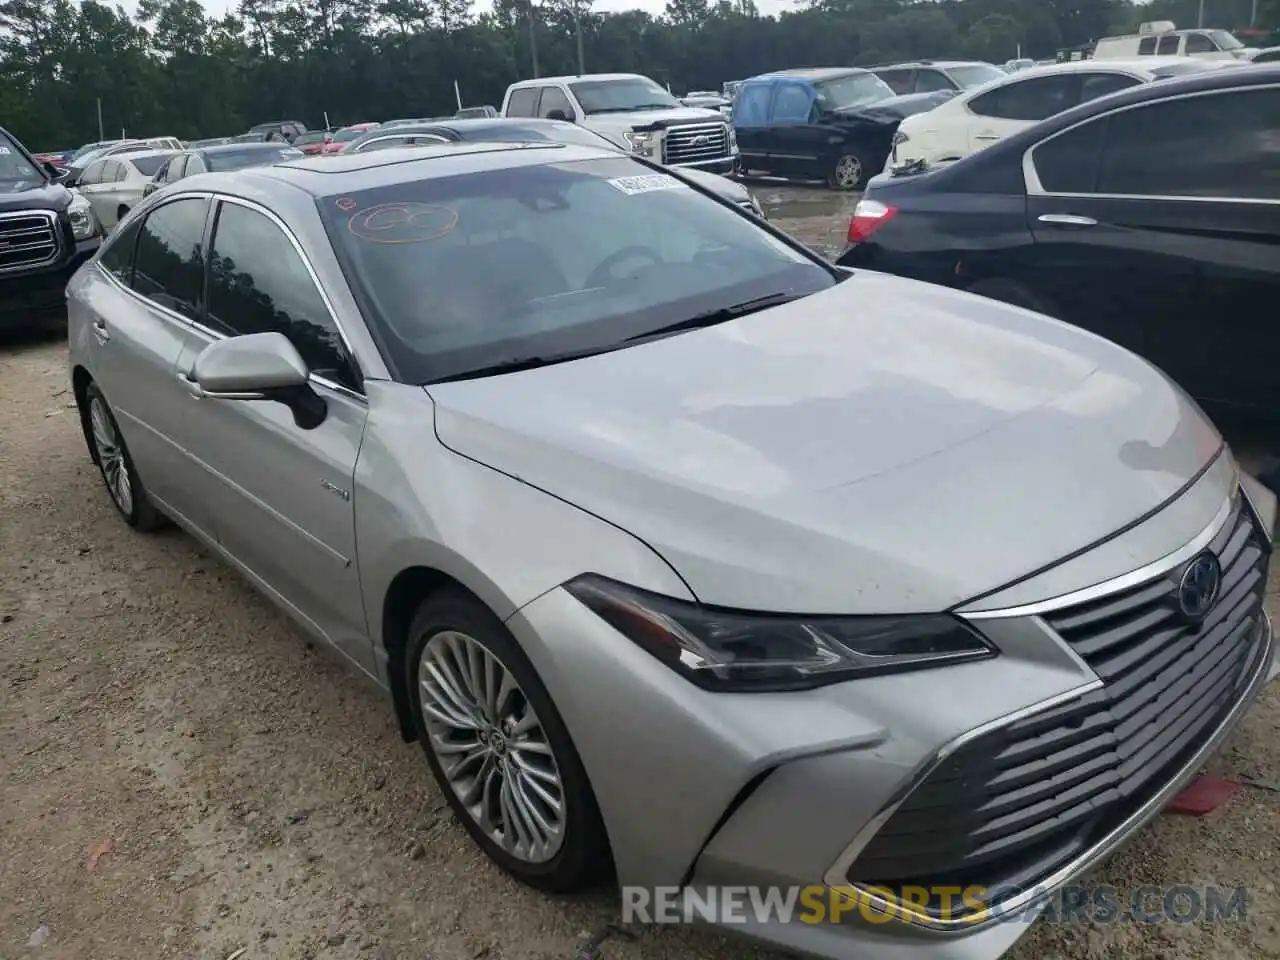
[115, 465]
[452, 628]
[849, 171]
[1014, 293]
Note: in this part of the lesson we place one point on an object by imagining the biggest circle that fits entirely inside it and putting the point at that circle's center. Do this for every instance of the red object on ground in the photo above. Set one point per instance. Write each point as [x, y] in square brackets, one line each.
[1204, 795]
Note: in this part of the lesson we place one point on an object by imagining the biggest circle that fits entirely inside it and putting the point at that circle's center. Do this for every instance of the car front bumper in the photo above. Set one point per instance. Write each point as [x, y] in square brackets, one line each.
[707, 791]
[35, 294]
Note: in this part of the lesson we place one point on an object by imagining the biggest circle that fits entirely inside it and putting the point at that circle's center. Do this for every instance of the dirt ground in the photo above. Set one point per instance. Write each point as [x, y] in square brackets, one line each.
[183, 776]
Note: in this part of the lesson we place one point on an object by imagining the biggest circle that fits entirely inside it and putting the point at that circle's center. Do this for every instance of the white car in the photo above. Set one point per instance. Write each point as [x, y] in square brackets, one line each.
[1162, 38]
[977, 118]
[114, 185]
[634, 113]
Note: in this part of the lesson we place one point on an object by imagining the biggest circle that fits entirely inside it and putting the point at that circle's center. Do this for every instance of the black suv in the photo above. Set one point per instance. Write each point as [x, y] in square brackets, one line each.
[46, 232]
[928, 76]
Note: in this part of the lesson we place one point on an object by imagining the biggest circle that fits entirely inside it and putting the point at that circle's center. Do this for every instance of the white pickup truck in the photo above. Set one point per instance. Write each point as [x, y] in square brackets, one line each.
[633, 112]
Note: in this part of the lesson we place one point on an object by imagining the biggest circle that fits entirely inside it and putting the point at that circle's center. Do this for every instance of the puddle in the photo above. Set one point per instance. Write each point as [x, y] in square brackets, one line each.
[786, 201]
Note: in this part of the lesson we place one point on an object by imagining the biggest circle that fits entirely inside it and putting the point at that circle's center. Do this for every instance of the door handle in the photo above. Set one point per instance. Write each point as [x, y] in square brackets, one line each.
[100, 330]
[1067, 220]
[986, 136]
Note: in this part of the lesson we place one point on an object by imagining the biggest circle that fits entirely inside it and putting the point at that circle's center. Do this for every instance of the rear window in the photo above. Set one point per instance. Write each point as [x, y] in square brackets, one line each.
[975, 74]
[456, 274]
[148, 166]
[239, 159]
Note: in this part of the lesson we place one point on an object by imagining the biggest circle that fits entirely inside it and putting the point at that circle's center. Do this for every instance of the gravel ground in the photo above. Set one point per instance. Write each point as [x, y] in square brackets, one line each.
[183, 775]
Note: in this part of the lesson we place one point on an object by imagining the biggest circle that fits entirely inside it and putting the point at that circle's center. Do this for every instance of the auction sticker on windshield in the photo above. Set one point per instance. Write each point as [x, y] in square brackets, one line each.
[646, 184]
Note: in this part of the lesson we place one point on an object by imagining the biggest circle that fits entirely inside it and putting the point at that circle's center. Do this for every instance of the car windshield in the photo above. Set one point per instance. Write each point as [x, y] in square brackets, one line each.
[239, 159]
[15, 169]
[150, 165]
[855, 90]
[343, 136]
[89, 148]
[975, 74]
[460, 274]
[622, 96]
[1224, 40]
[305, 138]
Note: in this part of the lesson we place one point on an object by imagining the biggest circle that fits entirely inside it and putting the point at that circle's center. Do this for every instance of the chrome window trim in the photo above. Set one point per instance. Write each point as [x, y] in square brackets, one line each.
[1031, 179]
[836, 876]
[217, 334]
[398, 136]
[1133, 578]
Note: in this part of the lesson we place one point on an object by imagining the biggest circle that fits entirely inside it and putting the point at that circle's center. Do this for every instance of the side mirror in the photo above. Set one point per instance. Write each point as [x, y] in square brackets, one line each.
[260, 366]
[560, 115]
[59, 174]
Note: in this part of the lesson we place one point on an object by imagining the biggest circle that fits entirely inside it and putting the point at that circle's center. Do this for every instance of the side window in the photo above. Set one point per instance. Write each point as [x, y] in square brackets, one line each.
[522, 102]
[898, 80]
[1168, 46]
[168, 266]
[194, 165]
[553, 98]
[1147, 46]
[258, 283]
[929, 81]
[384, 143]
[1242, 125]
[93, 173]
[1094, 85]
[1200, 43]
[791, 103]
[1068, 163]
[751, 106]
[114, 172]
[1032, 99]
[177, 168]
[117, 256]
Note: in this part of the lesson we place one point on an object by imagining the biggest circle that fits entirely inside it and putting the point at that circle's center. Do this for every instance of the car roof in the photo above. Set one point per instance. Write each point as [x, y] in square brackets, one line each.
[144, 154]
[944, 64]
[1143, 65]
[217, 148]
[1260, 75]
[816, 74]
[324, 176]
[570, 78]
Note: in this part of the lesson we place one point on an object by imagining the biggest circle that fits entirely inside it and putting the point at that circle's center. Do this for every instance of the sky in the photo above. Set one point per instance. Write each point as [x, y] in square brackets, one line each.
[655, 7]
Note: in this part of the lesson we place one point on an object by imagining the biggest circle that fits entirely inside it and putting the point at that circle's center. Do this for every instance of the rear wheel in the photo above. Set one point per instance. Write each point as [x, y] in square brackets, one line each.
[1014, 293]
[107, 446]
[849, 172]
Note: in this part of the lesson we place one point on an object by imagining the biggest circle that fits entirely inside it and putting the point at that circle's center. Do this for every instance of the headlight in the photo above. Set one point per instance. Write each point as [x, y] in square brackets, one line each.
[732, 650]
[733, 141]
[643, 143]
[83, 223]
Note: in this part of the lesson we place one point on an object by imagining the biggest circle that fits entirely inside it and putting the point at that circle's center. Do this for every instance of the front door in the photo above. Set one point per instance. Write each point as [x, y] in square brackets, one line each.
[797, 142]
[281, 497]
[751, 125]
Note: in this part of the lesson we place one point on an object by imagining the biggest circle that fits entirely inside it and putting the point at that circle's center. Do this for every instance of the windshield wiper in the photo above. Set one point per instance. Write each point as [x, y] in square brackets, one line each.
[521, 363]
[710, 318]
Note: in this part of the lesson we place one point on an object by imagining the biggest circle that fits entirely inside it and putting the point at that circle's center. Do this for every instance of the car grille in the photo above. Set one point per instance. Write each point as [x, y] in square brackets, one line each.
[695, 143]
[27, 239]
[1011, 807]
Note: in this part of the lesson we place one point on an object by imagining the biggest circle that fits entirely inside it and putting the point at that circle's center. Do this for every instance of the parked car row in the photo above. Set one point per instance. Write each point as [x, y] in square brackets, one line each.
[578, 462]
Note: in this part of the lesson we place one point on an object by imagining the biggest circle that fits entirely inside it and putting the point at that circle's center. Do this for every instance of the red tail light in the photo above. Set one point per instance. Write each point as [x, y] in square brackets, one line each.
[868, 217]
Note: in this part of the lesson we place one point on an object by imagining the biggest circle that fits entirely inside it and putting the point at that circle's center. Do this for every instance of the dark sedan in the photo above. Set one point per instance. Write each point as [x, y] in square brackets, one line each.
[215, 159]
[1086, 217]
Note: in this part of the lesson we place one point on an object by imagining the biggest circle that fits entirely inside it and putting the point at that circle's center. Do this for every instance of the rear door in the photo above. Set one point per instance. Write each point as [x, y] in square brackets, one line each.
[1179, 262]
[796, 143]
[1014, 106]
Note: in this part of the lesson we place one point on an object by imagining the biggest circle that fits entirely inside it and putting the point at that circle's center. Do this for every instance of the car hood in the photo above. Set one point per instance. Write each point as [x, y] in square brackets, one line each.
[33, 196]
[894, 109]
[651, 119]
[885, 446]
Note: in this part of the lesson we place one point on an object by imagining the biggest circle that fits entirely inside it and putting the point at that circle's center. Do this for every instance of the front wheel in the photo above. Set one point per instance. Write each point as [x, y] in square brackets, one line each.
[849, 172]
[498, 748]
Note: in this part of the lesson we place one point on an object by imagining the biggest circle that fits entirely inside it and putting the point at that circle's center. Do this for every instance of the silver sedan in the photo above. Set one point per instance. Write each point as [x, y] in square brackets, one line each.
[685, 555]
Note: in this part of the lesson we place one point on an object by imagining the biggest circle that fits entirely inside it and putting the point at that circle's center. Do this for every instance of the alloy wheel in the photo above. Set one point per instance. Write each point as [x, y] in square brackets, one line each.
[491, 747]
[848, 172]
[110, 451]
